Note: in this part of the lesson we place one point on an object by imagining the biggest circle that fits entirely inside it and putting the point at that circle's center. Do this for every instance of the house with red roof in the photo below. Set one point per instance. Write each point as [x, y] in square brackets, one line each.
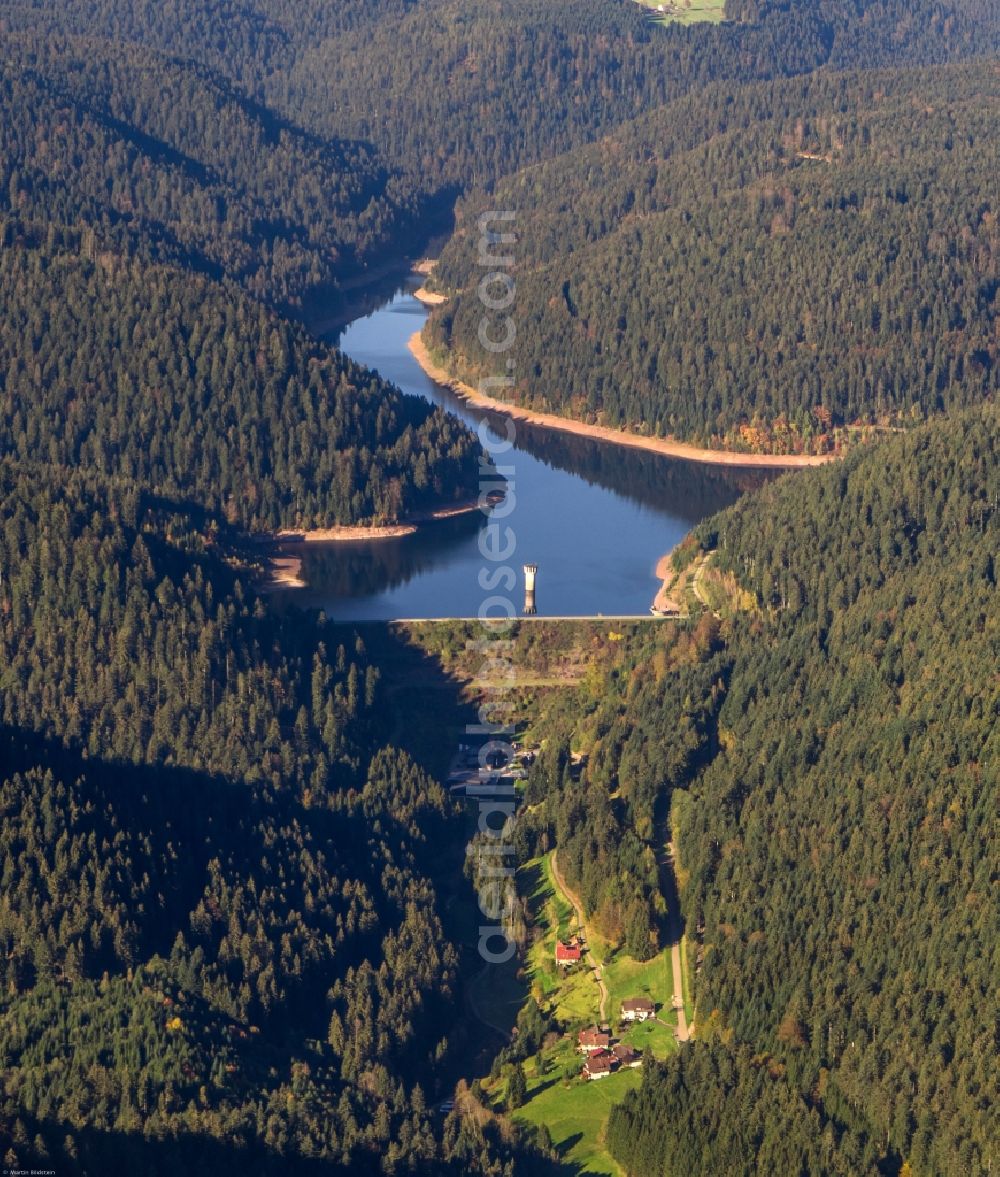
[593, 1039]
[568, 952]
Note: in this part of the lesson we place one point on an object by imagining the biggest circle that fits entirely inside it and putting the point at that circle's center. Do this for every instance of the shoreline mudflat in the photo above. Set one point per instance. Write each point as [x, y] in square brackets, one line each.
[343, 533]
[429, 298]
[283, 572]
[658, 445]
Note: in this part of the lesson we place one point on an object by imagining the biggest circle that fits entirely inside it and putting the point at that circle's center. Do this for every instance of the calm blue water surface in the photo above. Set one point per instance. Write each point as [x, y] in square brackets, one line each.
[594, 517]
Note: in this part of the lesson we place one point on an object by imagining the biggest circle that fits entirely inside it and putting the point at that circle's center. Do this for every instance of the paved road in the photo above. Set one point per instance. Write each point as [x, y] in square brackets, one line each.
[668, 884]
[592, 960]
[683, 1033]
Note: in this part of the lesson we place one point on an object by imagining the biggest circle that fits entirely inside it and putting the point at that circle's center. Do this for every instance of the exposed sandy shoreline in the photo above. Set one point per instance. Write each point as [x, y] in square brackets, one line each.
[342, 533]
[284, 570]
[658, 445]
[428, 297]
[663, 602]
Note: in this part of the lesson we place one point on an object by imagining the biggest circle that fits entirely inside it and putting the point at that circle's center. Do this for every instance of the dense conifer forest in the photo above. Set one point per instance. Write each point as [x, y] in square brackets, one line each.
[218, 923]
[213, 858]
[194, 391]
[146, 146]
[827, 761]
[483, 89]
[224, 916]
[767, 269]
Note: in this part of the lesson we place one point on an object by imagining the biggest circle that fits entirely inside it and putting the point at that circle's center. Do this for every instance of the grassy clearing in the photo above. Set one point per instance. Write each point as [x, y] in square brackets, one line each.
[652, 1038]
[559, 917]
[576, 1112]
[626, 977]
[571, 995]
[686, 981]
[698, 587]
[716, 591]
[687, 12]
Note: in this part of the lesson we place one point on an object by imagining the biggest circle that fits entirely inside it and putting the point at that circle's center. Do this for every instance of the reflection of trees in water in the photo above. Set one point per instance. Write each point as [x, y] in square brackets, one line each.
[337, 312]
[367, 568]
[688, 490]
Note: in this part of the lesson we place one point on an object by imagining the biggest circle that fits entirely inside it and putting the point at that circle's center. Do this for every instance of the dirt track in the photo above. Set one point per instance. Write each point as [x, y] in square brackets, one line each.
[592, 960]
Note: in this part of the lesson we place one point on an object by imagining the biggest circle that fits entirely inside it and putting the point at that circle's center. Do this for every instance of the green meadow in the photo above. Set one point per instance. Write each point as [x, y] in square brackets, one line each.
[576, 1112]
[687, 12]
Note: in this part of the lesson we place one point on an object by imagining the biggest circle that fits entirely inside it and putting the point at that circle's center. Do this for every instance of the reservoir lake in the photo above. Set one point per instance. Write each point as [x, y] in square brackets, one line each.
[594, 517]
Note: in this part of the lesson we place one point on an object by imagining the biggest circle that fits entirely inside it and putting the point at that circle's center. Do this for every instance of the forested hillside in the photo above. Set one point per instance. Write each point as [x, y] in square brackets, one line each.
[150, 148]
[496, 85]
[189, 389]
[212, 858]
[763, 268]
[221, 946]
[870, 33]
[228, 896]
[829, 761]
[484, 89]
